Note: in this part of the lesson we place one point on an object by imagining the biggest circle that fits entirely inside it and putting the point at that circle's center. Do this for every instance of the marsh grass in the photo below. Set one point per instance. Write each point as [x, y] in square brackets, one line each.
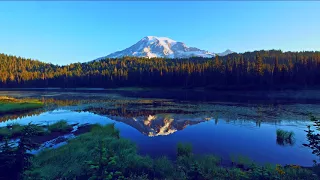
[12, 105]
[16, 130]
[111, 129]
[285, 137]
[11, 131]
[60, 126]
[70, 162]
[4, 132]
[241, 161]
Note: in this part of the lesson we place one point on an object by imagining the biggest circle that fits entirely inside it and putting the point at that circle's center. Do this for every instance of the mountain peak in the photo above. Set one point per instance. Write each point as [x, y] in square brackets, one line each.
[152, 38]
[164, 47]
[226, 52]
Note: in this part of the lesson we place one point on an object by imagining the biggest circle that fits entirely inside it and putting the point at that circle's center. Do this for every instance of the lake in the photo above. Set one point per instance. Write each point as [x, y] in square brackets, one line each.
[225, 123]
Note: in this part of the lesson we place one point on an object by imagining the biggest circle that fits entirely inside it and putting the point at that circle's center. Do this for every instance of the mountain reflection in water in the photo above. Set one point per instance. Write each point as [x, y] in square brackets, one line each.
[150, 123]
[156, 125]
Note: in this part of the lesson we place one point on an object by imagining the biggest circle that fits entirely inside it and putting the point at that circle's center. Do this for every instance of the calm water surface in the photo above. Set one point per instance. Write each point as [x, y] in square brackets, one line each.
[156, 125]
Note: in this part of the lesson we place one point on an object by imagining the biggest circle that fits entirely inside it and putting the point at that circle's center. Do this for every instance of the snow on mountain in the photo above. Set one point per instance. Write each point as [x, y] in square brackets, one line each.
[228, 51]
[152, 46]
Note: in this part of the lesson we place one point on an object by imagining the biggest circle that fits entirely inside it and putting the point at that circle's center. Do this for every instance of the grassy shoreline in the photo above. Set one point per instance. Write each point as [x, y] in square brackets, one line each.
[11, 105]
[100, 153]
[44, 132]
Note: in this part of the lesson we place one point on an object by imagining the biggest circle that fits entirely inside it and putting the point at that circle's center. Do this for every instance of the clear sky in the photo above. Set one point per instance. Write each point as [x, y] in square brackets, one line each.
[64, 32]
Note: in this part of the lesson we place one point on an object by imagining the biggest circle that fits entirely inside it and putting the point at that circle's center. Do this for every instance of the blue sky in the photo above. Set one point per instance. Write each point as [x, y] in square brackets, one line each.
[64, 32]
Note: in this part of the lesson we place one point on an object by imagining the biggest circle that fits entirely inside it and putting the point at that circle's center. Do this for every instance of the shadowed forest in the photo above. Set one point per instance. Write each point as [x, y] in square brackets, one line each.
[251, 70]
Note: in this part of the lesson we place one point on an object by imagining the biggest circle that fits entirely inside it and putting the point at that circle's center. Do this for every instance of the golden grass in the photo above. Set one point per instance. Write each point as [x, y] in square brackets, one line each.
[12, 105]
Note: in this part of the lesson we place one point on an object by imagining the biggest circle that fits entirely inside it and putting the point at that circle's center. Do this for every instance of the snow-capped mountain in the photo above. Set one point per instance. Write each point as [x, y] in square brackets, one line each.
[152, 46]
[228, 51]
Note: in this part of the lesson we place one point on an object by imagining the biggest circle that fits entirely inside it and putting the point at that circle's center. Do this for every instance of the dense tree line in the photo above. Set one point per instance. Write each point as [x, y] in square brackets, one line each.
[258, 69]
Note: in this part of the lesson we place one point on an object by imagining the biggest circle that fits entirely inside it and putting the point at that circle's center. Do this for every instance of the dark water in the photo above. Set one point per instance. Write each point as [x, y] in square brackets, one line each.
[222, 127]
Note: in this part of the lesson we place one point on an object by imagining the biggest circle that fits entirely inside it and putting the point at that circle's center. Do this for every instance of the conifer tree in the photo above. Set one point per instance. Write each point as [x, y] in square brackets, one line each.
[7, 153]
[22, 154]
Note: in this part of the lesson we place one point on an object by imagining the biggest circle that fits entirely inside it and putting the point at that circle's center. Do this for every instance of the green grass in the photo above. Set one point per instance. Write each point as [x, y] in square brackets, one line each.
[16, 130]
[12, 105]
[241, 161]
[70, 160]
[285, 137]
[4, 132]
[60, 126]
[11, 131]
[184, 149]
[74, 161]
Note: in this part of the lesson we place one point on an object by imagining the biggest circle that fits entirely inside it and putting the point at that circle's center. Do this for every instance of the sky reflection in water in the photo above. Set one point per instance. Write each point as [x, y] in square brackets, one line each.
[219, 137]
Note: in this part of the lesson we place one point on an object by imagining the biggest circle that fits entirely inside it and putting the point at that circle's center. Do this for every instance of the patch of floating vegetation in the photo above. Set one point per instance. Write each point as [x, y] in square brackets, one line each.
[285, 137]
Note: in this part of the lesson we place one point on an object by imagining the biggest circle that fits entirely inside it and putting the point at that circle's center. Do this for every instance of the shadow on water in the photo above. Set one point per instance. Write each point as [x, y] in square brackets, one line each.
[257, 97]
[20, 115]
[193, 95]
[288, 142]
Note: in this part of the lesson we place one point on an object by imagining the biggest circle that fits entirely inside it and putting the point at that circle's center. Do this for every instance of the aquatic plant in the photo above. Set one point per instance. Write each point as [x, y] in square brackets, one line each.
[285, 137]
